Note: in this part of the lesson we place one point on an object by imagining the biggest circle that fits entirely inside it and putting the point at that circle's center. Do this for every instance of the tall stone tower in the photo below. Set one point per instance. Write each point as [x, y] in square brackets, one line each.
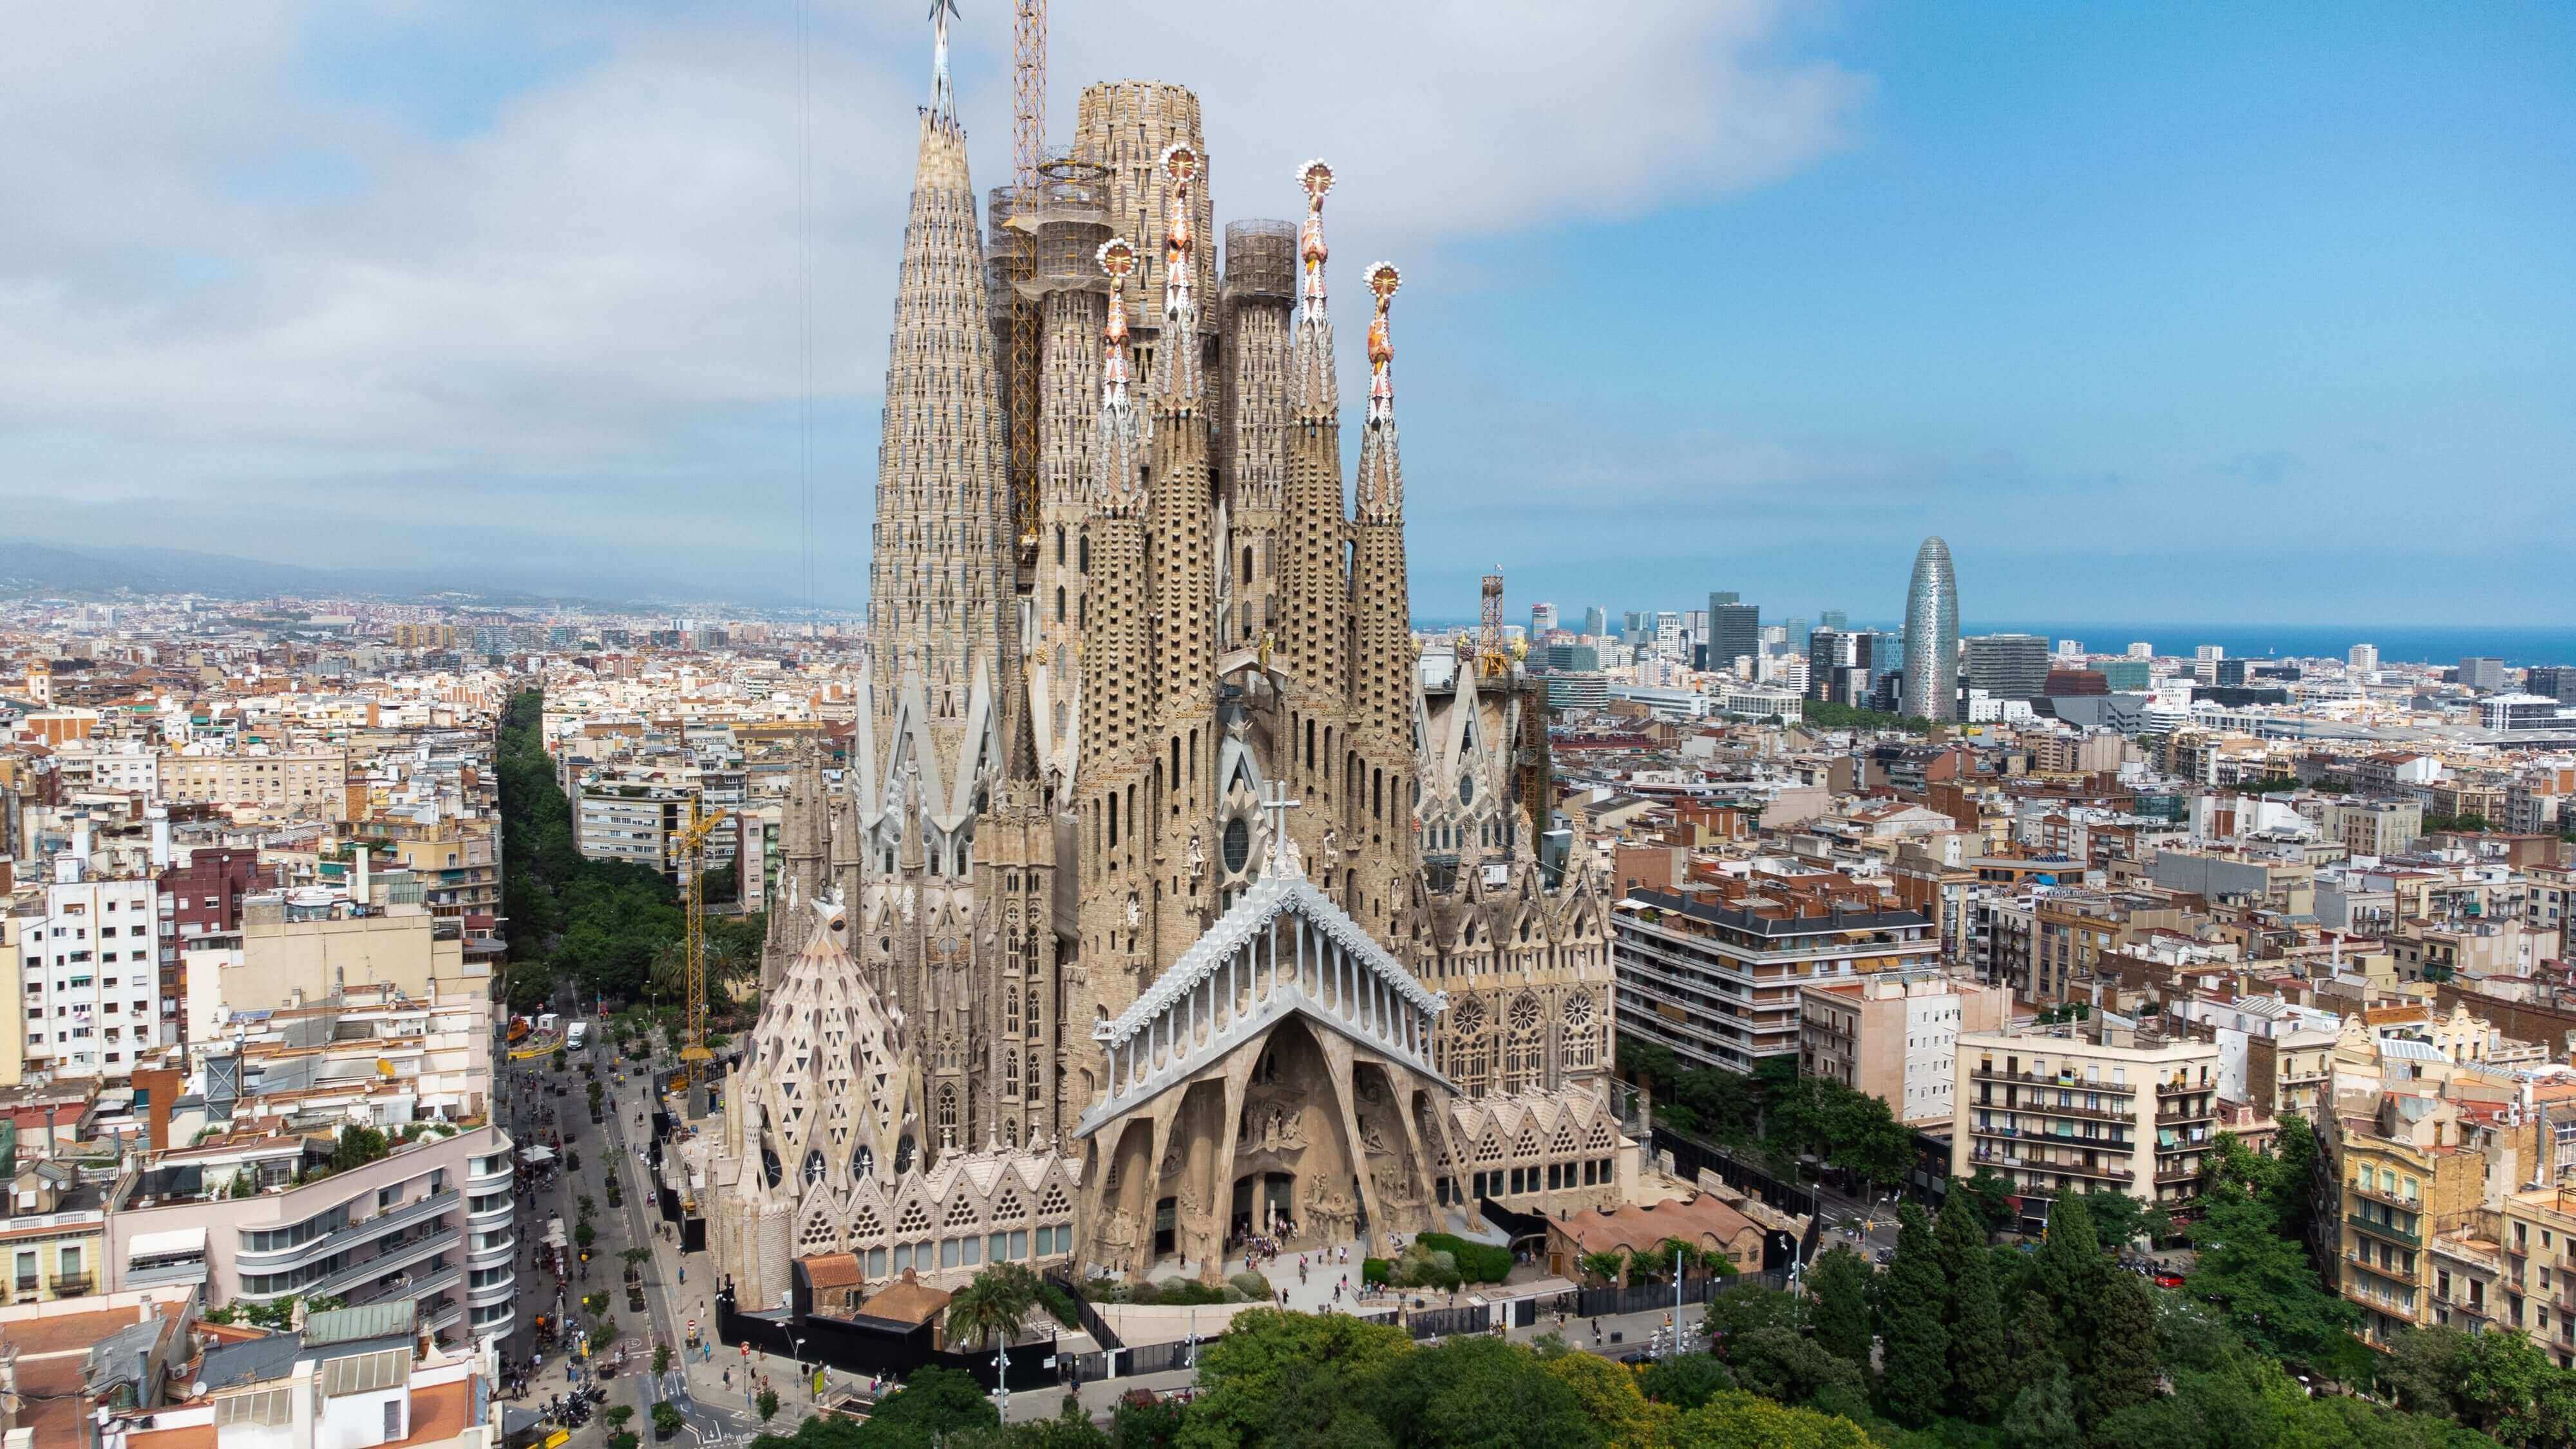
[1377, 809]
[1131, 877]
[943, 677]
[1260, 286]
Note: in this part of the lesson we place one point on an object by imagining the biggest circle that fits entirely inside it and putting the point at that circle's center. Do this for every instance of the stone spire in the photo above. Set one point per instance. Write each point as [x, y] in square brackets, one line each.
[1311, 348]
[1177, 357]
[1314, 608]
[942, 618]
[1381, 485]
[943, 94]
[1117, 483]
[1383, 668]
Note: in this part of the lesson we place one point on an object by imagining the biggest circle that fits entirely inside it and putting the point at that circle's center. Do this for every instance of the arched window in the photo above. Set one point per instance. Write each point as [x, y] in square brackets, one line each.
[1246, 575]
[1059, 555]
[1085, 549]
[948, 1116]
[1059, 604]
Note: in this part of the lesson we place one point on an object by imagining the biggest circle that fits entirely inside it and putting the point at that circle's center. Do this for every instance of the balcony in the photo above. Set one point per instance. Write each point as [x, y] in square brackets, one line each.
[2187, 1114]
[279, 1260]
[2406, 1204]
[2379, 1229]
[415, 1287]
[160, 1273]
[2178, 1089]
[395, 1257]
[2378, 1270]
[2169, 1176]
[72, 1285]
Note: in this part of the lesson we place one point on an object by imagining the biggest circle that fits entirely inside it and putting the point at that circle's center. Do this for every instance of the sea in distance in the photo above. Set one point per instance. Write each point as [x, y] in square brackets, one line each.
[2519, 646]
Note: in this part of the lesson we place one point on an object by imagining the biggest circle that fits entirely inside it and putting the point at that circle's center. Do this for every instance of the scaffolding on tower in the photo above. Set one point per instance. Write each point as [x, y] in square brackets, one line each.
[1028, 154]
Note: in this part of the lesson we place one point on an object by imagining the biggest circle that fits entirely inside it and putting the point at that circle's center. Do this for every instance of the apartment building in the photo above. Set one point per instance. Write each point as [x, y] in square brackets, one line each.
[248, 1206]
[2375, 827]
[429, 1223]
[2414, 1165]
[1718, 984]
[350, 1378]
[288, 957]
[89, 977]
[1895, 1036]
[2063, 1112]
[201, 897]
[53, 1235]
[637, 814]
[2536, 1249]
[314, 784]
[2073, 928]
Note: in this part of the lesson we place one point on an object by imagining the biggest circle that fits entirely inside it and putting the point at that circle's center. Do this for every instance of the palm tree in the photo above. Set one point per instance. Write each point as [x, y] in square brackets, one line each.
[992, 1307]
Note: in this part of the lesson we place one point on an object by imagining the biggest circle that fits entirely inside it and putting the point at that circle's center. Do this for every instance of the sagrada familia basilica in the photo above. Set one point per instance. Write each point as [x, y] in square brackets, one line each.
[1169, 895]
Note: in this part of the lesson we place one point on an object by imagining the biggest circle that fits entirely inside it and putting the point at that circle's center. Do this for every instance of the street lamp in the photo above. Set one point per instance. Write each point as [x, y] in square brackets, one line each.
[1002, 1375]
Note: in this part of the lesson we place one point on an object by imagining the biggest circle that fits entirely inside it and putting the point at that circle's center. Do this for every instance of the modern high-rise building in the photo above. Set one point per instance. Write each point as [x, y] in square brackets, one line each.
[1932, 635]
[2141, 649]
[1734, 630]
[1596, 621]
[2479, 671]
[2127, 676]
[2362, 658]
[2008, 666]
[2556, 681]
[1542, 619]
[1832, 619]
[1844, 665]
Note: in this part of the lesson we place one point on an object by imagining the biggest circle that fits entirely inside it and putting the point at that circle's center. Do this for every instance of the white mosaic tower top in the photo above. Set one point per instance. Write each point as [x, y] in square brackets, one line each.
[941, 614]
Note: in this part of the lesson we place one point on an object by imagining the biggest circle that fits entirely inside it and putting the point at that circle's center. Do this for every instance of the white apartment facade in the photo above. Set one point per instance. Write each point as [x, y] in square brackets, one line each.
[89, 976]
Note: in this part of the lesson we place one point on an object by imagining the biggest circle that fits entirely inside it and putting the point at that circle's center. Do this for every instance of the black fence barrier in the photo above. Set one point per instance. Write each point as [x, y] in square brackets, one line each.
[872, 1346]
[1158, 1358]
[1648, 1296]
[1524, 1312]
[1092, 1323]
[1691, 1156]
[1444, 1322]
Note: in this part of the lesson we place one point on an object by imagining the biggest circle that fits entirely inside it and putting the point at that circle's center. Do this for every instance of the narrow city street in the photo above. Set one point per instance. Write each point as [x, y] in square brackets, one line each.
[705, 1391]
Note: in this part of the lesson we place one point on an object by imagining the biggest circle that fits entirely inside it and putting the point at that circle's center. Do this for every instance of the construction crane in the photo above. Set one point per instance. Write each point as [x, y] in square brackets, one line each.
[693, 854]
[1028, 154]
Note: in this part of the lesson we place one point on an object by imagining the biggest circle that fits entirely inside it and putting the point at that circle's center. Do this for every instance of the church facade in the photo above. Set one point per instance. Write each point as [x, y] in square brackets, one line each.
[1160, 900]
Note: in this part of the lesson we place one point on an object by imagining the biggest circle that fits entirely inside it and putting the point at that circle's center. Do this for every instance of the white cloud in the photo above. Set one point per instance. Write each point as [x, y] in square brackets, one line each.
[580, 289]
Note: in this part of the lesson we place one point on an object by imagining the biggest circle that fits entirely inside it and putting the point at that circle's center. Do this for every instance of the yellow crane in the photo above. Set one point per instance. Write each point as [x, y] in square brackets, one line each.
[693, 853]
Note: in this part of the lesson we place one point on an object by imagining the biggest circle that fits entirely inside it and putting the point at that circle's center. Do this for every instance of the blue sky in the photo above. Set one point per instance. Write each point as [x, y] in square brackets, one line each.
[2175, 312]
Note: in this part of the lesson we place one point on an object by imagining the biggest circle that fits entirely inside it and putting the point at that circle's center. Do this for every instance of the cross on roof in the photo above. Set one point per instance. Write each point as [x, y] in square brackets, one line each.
[1283, 850]
[1275, 802]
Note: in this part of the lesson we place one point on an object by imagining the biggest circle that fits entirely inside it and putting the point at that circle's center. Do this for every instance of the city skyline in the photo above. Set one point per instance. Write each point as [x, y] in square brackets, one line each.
[332, 278]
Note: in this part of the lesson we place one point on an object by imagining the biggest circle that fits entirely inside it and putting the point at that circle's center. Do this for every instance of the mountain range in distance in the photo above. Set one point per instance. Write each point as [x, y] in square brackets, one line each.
[30, 569]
